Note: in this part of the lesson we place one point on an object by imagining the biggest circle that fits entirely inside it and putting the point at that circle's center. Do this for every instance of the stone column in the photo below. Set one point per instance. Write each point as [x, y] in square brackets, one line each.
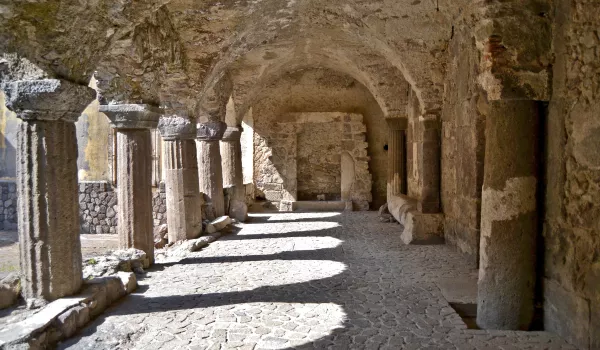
[428, 154]
[48, 206]
[396, 156]
[184, 203]
[231, 154]
[134, 166]
[210, 173]
[508, 217]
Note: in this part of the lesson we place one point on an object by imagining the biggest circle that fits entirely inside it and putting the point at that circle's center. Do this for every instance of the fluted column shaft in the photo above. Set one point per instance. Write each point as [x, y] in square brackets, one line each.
[396, 156]
[184, 202]
[508, 217]
[134, 169]
[48, 208]
[231, 154]
[210, 174]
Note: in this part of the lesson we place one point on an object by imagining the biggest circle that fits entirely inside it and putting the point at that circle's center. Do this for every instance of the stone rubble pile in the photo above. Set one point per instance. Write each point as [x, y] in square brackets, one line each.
[130, 260]
[61, 318]
[10, 289]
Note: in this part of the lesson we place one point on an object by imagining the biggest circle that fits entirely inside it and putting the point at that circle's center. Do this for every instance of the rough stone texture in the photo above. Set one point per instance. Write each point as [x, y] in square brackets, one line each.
[416, 227]
[572, 205]
[231, 156]
[396, 181]
[134, 192]
[63, 317]
[10, 290]
[304, 281]
[8, 205]
[463, 126]
[159, 205]
[210, 173]
[305, 159]
[98, 207]
[184, 201]
[48, 209]
[423, 138]
[320, 90]
[508, 217]
[233, 177]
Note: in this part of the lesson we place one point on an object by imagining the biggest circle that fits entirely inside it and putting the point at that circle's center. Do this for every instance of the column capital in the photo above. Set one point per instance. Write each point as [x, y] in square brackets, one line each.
[132, 116]
[397, 123]
[233, 133]
[176, 128]
[210, 131]
[47, 99]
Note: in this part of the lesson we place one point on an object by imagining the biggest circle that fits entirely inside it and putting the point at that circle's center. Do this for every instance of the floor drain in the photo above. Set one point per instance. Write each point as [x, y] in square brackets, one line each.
[468, 313]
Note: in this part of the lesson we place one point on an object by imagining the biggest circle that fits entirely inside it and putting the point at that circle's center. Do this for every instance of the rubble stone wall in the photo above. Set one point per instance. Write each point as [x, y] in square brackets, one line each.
[572, 206]
[299, 157]
[318, 90]
[8, 205]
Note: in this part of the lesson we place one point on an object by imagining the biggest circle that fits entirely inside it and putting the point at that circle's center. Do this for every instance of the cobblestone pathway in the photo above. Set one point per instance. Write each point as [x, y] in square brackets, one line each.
[301, 281]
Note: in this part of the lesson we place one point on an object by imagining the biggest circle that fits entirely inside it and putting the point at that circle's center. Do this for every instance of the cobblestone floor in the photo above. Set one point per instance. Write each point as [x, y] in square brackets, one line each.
[301, 281]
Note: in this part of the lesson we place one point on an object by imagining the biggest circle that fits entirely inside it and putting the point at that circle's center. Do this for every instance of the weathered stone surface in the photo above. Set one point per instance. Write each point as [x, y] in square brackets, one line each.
[61, 318]
[10, 289]
[132, 116]
[210, 173]
[184, 200]
[134, 192]
[212, 130]
[508, 217]
[120, 260]
[396, 155]
[221, 222]
[48, 99]
[176, 128]
[48, 209]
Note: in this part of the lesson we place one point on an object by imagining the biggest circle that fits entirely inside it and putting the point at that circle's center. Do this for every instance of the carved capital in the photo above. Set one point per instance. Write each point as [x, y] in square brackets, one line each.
[397, 123]
[233, 133]
[210, 131]
[132, 116]
[176, 128]
[47, 99]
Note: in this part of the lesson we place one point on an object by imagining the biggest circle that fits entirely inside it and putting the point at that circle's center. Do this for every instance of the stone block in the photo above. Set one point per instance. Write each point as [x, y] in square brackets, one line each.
[422, 228]
[221, 222]
[10, 288]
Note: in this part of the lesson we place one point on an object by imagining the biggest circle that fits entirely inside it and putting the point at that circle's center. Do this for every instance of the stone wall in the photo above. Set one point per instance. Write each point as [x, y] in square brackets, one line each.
[97, 207]
[321, 90]
[319, 161]
[8, 205]
[463, 147]
[314, 141]
[572, 217]
[159, 204]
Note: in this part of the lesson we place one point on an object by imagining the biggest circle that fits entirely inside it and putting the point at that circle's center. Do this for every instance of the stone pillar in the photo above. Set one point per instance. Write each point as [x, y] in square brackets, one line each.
[233, 178]
[184, 203]
[210, 173]
[48, 206]
[396, 156]
[428, 159]
[134, 166]
[508, 217]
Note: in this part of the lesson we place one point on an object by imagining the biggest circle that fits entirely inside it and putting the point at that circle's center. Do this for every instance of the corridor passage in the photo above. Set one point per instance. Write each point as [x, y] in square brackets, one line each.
[301, 281]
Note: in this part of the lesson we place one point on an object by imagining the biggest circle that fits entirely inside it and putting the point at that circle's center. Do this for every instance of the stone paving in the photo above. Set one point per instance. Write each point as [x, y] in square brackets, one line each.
[301, 281]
